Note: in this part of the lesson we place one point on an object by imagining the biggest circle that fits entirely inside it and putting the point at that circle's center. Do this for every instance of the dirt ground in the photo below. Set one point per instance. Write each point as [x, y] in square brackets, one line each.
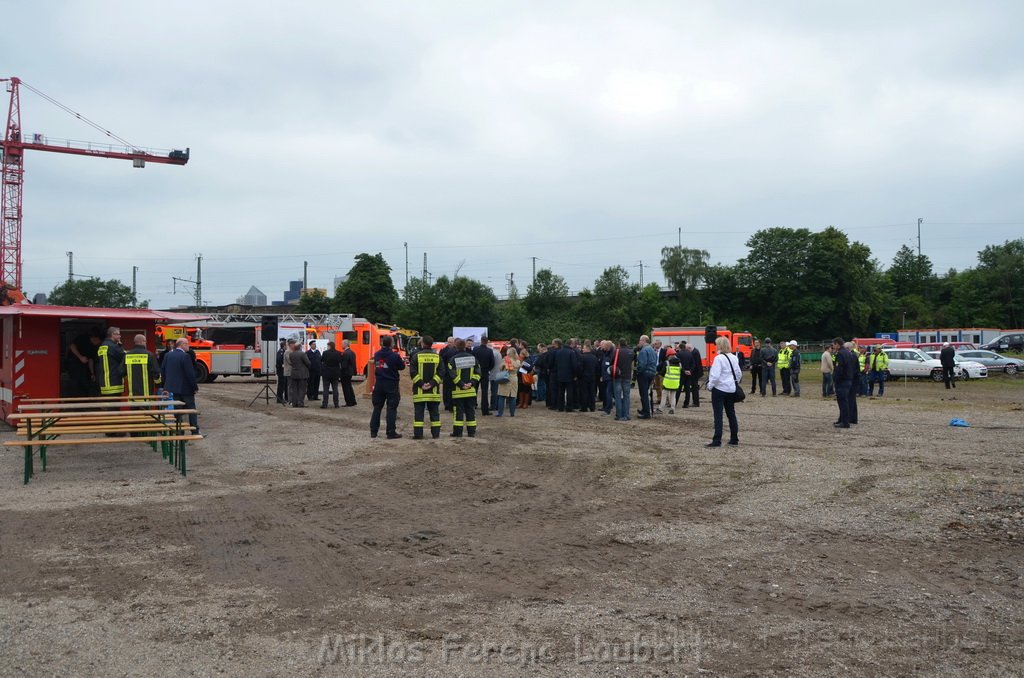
[554, 544]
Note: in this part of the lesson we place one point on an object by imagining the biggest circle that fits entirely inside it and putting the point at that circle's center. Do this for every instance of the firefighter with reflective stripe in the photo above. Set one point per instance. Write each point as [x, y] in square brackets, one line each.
[140, 369]
[671, 382]
[109, 361]
[425, 370]
[463, 376]
[861, 381]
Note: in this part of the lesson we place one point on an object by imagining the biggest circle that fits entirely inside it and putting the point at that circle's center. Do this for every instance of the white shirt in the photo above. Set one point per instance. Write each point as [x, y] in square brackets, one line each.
[722, 371]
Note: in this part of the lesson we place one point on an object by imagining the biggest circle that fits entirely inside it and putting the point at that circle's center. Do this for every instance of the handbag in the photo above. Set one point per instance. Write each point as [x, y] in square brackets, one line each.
[738, 395]
[501, 377]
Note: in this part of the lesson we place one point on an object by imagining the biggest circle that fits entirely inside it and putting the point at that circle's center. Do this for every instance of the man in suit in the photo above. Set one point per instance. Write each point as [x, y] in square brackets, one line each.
[313, 386]
[485, 359]
[282, 379]
[842, 378]
[330, 363]
[348, 370]
[299, 375]
[179, 377]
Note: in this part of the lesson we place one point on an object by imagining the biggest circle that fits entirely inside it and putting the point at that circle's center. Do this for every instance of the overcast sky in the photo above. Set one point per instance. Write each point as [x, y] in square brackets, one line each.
[581, 133]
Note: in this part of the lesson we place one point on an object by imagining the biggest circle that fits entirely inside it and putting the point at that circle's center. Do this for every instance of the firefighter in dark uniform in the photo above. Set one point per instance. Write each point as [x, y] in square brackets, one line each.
[425, 370]
[109, 361]
[463, 376]
[140, 369]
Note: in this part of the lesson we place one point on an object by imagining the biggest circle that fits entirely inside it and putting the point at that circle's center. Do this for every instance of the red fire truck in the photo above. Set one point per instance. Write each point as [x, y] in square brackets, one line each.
[741, 342]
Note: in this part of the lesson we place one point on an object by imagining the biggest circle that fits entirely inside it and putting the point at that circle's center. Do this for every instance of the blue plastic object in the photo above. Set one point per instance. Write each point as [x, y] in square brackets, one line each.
[959, 422]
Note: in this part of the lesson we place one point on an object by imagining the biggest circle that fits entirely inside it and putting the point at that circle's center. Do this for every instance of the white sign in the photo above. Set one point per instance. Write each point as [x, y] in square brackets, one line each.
[296, 331]
[469, 333]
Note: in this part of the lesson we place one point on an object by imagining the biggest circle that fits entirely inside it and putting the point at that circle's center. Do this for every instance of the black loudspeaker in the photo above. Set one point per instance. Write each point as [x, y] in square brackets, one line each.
[710, 334]
[268, 327]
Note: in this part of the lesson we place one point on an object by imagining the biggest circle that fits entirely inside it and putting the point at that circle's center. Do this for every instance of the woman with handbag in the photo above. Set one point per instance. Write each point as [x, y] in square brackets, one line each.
[724, 379]
[508, 381]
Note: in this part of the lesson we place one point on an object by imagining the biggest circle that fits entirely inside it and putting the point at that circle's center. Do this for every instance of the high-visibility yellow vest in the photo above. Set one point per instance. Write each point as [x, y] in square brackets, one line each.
[673, 374]
[879, 361]
[784, 358]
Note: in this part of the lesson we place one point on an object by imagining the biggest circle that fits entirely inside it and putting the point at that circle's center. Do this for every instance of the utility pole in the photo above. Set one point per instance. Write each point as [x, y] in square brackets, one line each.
[199, 280]
[919, 220]
[135, 292]
[424, 267]
[305, 275]
[680, 237]
[641, 275]
[71, 265]
[406, 263]
[510, 283]
[534, 271]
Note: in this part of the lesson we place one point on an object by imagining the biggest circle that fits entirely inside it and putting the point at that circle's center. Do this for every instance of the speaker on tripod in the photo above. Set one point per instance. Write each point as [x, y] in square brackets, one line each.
[268, 343]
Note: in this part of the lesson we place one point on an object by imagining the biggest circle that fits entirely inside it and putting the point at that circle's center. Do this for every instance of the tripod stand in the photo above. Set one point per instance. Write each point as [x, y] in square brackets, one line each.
[266, 392]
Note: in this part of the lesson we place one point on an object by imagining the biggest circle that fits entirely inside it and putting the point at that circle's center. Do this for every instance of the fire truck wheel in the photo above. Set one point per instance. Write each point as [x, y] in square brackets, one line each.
[202, 372]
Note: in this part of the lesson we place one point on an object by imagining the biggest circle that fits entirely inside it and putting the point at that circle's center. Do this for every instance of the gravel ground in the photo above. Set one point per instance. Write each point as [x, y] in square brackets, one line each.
[553, 544]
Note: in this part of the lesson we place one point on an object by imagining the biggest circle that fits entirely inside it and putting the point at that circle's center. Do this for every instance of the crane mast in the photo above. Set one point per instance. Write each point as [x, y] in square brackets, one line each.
[15, 143]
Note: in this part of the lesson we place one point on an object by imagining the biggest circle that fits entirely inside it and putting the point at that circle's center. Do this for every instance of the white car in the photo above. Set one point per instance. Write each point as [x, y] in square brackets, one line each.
[970, 368]
[913, 362]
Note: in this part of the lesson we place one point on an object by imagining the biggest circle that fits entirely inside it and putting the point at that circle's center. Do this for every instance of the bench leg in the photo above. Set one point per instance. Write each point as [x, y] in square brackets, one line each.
[28, 463]
[42, 455]
[181, 456]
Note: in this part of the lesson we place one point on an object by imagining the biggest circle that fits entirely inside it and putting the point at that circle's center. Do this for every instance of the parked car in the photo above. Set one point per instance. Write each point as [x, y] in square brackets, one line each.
[995, 362]
[912, 362]
[937, 346]
[970, 368]
[1011, 341]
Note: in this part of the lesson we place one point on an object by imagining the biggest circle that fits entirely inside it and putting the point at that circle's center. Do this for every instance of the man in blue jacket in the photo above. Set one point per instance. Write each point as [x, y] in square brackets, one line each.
[386, 364]
[179, 377]
[646, 370]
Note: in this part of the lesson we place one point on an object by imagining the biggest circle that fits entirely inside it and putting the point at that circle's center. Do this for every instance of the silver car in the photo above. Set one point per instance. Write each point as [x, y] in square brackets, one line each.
[994, 361]
[969, 368]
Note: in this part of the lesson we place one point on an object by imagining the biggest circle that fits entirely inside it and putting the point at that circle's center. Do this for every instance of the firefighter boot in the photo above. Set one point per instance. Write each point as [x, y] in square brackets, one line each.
[456, 432]
[417, 433]
[471, 431]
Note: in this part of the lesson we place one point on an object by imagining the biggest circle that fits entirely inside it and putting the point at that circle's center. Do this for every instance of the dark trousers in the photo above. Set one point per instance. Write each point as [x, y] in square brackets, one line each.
[767, 375]
[854, 393]
[433, 408]
[755, 377]
[542, 387]
[784, 375]
[446, 396]
[827, 388]
[346, 389]
[563, 396]
[190, 404]
[282, 387]
[690, 386]
[587, 392]
[843, 389]
[330, 386]
[297, 391]
[720, 400]
[313, 385]
[876, 376]
[485, 400]
[551, 396]
[464, 414]
[608, 396]
[384, 394]
[947, 377]
[643, 385]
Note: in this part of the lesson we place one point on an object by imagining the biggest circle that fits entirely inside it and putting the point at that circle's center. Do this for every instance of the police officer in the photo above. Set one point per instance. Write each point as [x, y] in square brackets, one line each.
[386, 365]
[876, 371]
[109, 361]
[425, 370]
[463, 375]
[783, 363]
[140, 368]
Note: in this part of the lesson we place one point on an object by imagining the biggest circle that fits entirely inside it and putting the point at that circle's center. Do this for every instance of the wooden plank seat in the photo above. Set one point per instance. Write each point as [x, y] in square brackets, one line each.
[165, 430]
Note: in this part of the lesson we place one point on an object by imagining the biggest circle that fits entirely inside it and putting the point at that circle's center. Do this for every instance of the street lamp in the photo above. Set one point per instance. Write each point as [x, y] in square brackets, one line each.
[904, 320]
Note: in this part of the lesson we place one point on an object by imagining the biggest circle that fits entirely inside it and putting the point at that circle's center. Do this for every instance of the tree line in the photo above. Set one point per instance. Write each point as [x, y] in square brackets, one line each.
[792, 282]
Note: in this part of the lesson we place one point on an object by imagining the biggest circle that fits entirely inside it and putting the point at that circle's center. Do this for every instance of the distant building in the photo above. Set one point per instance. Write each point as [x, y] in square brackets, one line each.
[337, 281]
[39, 298]
[293, 292]
[254, 297]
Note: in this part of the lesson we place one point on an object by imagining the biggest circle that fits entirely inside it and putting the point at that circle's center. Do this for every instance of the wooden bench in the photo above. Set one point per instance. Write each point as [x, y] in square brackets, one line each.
[161, 428]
